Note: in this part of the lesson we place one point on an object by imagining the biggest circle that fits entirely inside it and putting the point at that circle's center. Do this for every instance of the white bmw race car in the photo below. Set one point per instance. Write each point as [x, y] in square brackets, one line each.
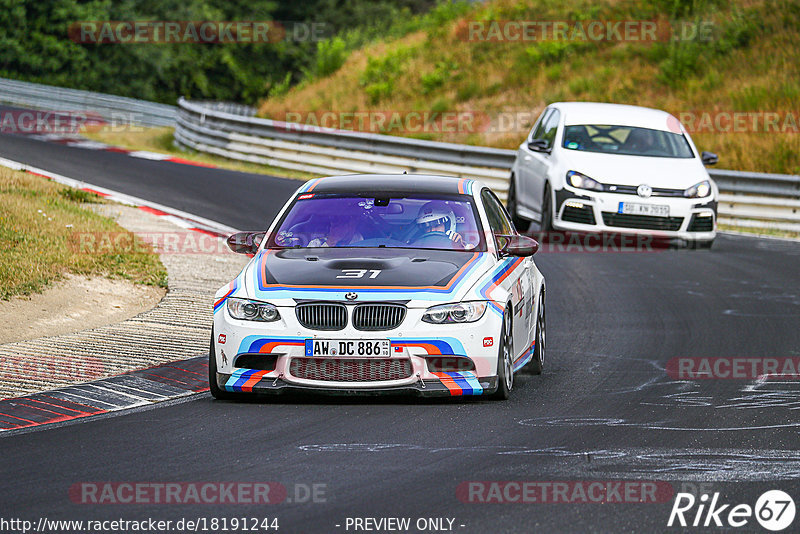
[381, 284]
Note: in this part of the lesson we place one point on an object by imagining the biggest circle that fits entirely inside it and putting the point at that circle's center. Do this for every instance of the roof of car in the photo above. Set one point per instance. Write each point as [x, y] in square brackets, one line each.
[618, 115]
[389, 183]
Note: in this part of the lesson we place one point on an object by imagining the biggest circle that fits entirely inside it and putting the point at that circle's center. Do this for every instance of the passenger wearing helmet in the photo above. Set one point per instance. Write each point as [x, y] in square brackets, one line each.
[436, 220]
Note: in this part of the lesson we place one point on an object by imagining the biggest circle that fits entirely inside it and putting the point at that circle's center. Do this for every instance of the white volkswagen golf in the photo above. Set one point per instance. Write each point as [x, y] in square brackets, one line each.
[613, 168]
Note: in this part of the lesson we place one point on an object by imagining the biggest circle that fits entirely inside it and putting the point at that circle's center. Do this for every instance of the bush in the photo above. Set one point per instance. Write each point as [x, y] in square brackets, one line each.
[380, 73]
[468, 91]
[379, 91]
[282, 87]
[681, 63]
[331, 55]
[441, 74]
[549, 52]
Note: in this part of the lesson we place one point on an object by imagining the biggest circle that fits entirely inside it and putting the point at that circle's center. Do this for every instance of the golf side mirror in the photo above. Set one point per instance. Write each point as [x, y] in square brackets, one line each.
[539, 145]
[709, 158]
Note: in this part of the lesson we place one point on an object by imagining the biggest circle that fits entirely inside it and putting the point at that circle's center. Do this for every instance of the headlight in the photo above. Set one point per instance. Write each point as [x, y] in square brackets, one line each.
[463, 312]
[703, 189]
[581, 181]
[252, 310]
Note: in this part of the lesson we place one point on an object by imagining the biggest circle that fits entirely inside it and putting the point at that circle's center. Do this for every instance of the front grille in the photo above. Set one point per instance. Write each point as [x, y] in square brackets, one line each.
[583, 215]
[643, 222]
[701, 224]
[378, 316]
[350, 369]
[322, 316]
[632, 190]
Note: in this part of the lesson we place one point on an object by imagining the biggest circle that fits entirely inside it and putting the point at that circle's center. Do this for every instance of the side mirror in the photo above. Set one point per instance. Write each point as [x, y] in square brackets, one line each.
[518, 245]
[539, 145]
[245, 242]
[709, 158]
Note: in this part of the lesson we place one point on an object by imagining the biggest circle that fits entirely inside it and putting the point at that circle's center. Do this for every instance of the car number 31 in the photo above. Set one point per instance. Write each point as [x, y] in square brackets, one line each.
[359, 273]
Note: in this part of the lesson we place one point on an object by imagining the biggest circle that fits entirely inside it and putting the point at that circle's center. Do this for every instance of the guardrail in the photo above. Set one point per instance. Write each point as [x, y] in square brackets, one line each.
[114, 109]
[328, 151]
[758, 200]
[746, 198]
[232, 131]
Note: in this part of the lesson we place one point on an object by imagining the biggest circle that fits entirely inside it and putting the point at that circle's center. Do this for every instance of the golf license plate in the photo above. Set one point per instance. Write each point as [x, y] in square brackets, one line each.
[632, 208]
[348, 348]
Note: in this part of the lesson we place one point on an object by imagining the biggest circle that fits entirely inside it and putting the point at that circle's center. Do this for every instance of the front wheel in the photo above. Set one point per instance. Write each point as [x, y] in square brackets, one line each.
[547, 212]
[505, 360]
[536, 364]
[520, 224]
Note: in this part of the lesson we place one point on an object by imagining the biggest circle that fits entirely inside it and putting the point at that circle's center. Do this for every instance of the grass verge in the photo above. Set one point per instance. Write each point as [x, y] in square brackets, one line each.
[39, 221]
[160, 140]
[769, 232]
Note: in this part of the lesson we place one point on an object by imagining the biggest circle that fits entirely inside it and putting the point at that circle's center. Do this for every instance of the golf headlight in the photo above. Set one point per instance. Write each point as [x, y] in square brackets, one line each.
[703, 189]
[463, 312]
[252, 310]
[581, 181]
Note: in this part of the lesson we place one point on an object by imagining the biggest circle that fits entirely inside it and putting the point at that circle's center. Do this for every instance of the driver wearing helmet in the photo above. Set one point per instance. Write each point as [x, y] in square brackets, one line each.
[437, 218]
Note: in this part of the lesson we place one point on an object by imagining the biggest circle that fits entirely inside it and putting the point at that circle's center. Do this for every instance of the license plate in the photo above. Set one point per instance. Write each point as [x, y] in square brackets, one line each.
[348, 348]
[632, 208]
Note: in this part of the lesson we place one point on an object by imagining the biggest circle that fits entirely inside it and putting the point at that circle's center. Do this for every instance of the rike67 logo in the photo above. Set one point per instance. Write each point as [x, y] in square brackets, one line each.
[774, 510]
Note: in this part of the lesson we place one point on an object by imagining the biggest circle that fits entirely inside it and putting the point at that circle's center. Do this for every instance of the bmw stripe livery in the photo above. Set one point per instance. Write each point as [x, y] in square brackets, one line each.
[380, 284]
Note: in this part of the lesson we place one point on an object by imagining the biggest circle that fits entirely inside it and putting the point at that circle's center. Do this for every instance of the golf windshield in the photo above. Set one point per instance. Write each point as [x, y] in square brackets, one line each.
[412, 221]
[626, 140]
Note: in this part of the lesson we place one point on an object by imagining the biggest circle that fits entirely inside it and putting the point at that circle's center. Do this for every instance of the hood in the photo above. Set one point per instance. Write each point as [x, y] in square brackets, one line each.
[373, 274]
[672, 173]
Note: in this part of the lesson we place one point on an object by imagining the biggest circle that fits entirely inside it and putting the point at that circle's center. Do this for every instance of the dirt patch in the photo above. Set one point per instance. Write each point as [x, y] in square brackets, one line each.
[74, 303]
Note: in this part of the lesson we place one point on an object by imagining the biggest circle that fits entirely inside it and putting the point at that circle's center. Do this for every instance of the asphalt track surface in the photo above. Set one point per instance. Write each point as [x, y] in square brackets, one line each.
[604, 410]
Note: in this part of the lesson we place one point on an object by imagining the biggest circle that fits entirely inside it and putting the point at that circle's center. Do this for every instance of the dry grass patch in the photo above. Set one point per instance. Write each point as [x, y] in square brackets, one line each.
[39, 223]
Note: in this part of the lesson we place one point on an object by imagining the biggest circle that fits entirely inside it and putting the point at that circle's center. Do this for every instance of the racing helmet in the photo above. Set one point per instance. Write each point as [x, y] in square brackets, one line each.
[435, 213]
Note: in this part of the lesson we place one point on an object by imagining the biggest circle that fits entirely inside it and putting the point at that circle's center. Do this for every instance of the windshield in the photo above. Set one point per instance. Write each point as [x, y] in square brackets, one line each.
[399, 221]
[626, 140]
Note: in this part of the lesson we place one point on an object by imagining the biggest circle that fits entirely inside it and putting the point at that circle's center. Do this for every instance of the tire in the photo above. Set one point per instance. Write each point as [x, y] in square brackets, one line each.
[520, 224]
[700, 245]
[536, 365]
[505, 359]
[547, 213]
[216, 392]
